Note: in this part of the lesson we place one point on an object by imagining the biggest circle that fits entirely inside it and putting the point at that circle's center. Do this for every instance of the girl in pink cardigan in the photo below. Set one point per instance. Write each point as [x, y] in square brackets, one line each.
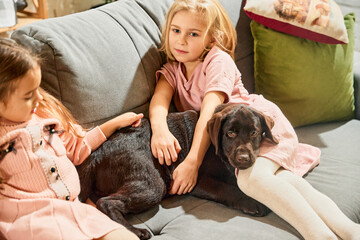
[199, 40]
[39, 145]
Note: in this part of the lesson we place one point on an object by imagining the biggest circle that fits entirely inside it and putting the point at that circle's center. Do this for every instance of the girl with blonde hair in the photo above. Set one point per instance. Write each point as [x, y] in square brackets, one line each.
[40, 142]
[199, 40]
[196, 36]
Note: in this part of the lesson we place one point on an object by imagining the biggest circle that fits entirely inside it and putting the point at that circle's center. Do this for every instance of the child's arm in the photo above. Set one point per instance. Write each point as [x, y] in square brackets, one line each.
[121, 121]
[78, 149]
[185, 175]
[164, 145]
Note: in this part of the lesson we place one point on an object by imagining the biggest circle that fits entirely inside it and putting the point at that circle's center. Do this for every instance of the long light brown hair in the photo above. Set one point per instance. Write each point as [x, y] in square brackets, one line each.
[15, 62]
[219, 25]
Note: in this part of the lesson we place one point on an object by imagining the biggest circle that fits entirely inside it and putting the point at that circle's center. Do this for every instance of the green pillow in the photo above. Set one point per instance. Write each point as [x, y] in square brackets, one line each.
[311, 82]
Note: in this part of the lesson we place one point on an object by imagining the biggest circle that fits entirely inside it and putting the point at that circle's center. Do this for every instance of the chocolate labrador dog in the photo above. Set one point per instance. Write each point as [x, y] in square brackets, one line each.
[236, 131]
[123, 177]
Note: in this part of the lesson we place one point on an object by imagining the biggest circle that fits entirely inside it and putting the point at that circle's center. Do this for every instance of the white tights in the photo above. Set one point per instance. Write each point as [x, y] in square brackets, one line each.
[314, 215]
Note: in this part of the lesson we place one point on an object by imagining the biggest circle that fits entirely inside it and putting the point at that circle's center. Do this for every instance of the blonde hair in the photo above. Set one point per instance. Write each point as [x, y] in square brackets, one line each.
[15, 62]
[219, 25]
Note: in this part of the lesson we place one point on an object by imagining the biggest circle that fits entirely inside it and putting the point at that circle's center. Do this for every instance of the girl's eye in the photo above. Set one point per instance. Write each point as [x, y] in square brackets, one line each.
[231, 134]
[176, 30]
[253, 133]
[194, 34]
[27, 98]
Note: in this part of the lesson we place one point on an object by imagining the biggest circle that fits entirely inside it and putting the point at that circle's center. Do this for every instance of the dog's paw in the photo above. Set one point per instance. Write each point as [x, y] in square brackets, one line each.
[252, 207]
[143, 234]
[255, 208]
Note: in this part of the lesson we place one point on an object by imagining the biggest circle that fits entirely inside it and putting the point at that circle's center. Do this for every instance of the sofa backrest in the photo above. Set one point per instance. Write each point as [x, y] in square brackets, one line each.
[102, 62]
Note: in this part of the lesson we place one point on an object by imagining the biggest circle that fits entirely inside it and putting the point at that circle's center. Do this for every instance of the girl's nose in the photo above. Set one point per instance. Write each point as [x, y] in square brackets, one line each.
[39, 97]
[182, 39]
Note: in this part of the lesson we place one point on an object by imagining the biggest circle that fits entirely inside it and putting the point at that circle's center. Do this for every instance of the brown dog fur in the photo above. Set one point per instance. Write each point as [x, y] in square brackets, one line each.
[123, 177]
[236, 131]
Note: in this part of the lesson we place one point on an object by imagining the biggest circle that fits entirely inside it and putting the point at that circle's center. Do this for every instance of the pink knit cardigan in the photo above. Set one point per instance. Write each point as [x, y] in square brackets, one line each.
[40, 184]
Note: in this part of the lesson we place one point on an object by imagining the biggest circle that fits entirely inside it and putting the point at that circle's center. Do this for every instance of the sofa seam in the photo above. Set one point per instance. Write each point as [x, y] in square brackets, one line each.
[205, 201]
[57, 72]
[135, 46]
[146, 225]
[55, 64]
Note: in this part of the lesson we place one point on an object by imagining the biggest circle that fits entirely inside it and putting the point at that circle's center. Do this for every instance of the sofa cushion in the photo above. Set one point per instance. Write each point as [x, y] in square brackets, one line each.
[179, 217]
[316, 20]
[83, 62]
[187, 217]
[244, 50]
[310, 82]
[337, 175]
[135, 25]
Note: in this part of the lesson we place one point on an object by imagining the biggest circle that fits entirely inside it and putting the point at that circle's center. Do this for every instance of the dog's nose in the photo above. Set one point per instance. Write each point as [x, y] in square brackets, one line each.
[242, 157]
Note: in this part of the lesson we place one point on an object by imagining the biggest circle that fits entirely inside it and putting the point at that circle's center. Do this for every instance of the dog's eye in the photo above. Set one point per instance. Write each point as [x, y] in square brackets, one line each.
[253, 133]
[231, 134]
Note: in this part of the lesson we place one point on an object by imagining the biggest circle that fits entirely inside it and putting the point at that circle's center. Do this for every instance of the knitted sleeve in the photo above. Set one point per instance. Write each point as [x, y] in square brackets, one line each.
[77, 148]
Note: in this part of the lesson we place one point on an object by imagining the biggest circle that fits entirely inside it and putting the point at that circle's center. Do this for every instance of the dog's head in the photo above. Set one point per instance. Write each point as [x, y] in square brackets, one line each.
[236, 131]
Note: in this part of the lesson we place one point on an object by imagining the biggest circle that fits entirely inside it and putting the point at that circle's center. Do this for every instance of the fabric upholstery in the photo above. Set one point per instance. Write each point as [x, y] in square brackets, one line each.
[336, 176]
[72, 72]
[102, 62]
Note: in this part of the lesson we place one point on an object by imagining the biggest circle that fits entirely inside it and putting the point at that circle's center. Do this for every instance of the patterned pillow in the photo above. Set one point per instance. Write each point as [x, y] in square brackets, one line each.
[317, 20]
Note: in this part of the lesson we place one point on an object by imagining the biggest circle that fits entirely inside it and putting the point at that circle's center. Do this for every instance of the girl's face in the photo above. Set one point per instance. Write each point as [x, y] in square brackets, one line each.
[22, 103]
[187, 38]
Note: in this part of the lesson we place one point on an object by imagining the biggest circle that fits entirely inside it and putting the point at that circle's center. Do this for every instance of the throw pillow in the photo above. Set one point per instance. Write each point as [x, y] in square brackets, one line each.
[311, 82]
[317, 20]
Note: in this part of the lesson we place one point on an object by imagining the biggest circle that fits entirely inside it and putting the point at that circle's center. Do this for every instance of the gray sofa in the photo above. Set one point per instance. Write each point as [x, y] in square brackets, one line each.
[102, 62]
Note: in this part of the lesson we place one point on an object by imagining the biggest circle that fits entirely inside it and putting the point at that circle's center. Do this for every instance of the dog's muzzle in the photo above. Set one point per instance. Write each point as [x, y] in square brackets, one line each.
[244, 156]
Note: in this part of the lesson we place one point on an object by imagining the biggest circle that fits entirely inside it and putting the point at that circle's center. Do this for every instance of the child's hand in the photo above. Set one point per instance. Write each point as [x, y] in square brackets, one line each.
[121, 121]
[129, 118]
[184, 178]
[165, 147]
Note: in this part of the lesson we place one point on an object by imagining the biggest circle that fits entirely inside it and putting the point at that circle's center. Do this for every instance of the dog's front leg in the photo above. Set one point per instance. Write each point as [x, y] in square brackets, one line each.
[230, 195]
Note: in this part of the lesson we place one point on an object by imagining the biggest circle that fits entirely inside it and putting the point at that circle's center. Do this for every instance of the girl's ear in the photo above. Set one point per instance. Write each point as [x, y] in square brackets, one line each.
[212, 42]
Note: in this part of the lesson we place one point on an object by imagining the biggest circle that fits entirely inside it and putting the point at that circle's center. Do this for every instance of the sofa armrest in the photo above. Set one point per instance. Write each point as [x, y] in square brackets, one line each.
[356, 69]
[357, 93]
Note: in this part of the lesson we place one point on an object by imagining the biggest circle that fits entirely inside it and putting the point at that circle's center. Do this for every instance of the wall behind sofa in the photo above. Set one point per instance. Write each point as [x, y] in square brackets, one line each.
[57, 8]
[352, 6]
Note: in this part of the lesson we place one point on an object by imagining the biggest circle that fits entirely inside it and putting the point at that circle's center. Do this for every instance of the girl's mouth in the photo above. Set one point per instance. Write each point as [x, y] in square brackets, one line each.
[180, 51]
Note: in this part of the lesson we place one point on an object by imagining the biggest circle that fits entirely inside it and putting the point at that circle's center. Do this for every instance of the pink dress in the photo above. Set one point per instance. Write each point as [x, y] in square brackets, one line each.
[40, 184]
[218, 72]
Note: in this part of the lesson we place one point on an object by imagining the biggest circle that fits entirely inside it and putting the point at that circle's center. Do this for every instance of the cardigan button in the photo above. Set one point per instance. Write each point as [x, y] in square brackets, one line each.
[67, 198]
[52, 169]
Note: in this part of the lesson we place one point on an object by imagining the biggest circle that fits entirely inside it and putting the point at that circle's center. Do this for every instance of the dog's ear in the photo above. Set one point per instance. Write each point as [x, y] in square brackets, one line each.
[221, 107]
[214, 125]
[267, 123]
[213, 129]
